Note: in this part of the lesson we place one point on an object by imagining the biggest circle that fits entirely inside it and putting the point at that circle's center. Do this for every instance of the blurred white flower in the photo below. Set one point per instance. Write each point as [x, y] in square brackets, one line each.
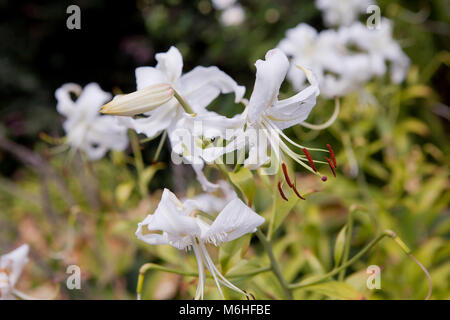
[342, 12]
[178, 224]
[86, 128]
[222, 4]
[232, 16]
[311, 49]
[331, 55]
[11, 266]
[380, 48]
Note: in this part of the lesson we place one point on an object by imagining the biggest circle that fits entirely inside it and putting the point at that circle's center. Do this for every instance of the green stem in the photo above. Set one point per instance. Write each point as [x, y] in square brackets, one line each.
[274, 264]
[138, 161]
[160, 145]
[183, 102]
[348, 239]
[355, 258]
[151, 266]
[270, 229]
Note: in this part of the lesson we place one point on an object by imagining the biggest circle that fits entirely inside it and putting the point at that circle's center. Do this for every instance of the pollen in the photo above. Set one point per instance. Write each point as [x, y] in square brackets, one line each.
[286, 175]
[333, 158]
[310, 160]
[331, 166]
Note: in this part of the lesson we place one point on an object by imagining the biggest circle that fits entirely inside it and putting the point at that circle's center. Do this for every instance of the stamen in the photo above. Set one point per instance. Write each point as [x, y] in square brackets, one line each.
[324, 178]
[297, 193]
[280, 190]
[286, 175]
[331, 166]
[249, 296]
[310, 160]
[332, 155]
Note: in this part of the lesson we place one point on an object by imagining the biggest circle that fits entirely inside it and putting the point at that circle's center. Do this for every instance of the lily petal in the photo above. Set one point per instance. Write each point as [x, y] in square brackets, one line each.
[270, 75]
[173, 220]
[294, 110]
[65, 103]
[91, 99]
[149, 76]
[202, 85]
[235, 220]
[170, 63]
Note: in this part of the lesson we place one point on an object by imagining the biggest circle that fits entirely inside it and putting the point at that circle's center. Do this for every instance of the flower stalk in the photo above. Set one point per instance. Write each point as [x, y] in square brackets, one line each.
[138, 161]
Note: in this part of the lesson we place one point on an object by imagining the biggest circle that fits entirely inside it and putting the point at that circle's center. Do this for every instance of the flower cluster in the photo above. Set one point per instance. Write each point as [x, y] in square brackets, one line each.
[344, 59]
[342, 12]
[169, 101]
[173, 103]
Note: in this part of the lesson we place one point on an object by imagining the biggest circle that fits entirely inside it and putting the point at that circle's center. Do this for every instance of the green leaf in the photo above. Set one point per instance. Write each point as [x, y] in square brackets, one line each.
[243, 267]
[336, 290]
[231, 252]
[244, 180]
[339, 245]
[281, 209]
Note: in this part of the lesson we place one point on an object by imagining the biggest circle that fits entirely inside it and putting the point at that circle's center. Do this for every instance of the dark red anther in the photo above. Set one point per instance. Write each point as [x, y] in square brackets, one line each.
[324, 178]
[280, 190]
[332, 155]
[297, 193]
[310, 160]
[286, 175]
[331, 166]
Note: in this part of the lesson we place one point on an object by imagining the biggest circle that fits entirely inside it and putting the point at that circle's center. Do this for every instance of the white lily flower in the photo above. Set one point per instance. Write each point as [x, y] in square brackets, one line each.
[188, 135]
[11, 266]
[198, 88]
[342, 12]
[86, 129]
[176, 223]
[270, 116]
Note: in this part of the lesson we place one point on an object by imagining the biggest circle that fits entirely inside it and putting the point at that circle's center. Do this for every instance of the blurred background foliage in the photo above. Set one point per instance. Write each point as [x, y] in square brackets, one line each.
[393, 153]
